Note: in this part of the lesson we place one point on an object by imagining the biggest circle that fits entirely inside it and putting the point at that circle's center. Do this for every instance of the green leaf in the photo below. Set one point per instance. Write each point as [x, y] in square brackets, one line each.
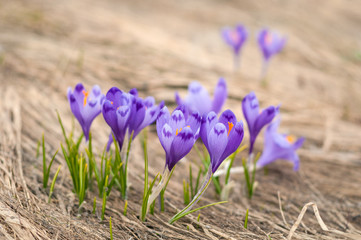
[192, 211]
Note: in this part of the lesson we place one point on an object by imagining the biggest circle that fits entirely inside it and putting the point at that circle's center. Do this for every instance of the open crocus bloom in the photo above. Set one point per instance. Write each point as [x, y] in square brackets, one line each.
[235, 37]
[256, 119]
[270, 43]
[199, 100]
[86, 106]
[221, 137]
[177, 134]
[279, 146]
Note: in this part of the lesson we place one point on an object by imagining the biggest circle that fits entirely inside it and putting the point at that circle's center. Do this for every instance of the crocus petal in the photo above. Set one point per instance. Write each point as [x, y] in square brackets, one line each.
[298, 143]
[75, 108]
[178, 99]
[110, 141]
[250, 108]
[277, 147]
[265, 117]
[198, 98]
[110, 116]
[220, 95]
[114, 96]
[194, 122]
[235, 138]
[166, 137]
[181, 146]
[207, 124]
[177, 120]
[228, 118]
[163, 118]
[134, 92]
[137, 115]
[217, 142]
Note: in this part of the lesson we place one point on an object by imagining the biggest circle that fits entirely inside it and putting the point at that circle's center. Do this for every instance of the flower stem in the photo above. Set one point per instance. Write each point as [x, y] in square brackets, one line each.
[166, 175]
[196, 198]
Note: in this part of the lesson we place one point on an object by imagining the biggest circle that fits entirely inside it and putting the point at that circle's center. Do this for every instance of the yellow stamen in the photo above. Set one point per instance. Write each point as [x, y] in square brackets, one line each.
[291, 138]
[176, 132]
[230, 126]
[85, 97]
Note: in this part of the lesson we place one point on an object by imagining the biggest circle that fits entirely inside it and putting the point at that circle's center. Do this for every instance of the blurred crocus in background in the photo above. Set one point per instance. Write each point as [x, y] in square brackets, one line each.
[86, 106]
[198, 98]
[235, 38]
[279, 146]
[270, 43]
[256, 118]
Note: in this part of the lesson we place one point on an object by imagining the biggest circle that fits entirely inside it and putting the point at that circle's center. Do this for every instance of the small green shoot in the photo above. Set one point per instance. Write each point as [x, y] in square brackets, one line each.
[186, 193]
[104, 198]
[110, 228]
[38, 149]
[250, 179]
[190, 189]
[120, 168]
[94, 205]
[46, 169]
[125, 208]
[163, 191]
[53, 183]
[76, 163]
[246, 220]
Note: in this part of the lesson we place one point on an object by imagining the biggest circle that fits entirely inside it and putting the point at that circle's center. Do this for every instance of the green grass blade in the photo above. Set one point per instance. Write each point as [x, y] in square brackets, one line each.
[53, 184]
[45, 179]
[246, 220]
[194, 210]
[63, 130]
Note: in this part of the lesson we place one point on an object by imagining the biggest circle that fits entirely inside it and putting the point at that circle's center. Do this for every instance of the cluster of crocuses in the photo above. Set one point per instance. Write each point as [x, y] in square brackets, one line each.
[270, 43]
[195, 117]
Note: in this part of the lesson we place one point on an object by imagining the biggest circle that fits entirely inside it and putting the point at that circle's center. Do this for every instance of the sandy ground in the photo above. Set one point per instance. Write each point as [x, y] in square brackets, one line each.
[159, 47]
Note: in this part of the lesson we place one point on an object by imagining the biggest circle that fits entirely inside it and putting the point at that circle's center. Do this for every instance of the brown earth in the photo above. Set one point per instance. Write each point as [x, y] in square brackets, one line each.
[159, 47]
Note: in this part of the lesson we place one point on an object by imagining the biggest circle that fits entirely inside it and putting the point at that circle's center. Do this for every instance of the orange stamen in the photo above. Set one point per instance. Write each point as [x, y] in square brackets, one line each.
[111, 103]
[176, 132]
[85, 97]
[230, 126]
[291, 138]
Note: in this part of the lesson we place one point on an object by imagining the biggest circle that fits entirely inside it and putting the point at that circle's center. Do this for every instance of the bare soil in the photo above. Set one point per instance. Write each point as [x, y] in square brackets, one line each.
[159, 47]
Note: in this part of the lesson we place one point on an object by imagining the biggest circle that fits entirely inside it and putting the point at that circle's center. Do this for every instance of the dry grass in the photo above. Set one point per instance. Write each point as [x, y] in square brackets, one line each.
[160, 47]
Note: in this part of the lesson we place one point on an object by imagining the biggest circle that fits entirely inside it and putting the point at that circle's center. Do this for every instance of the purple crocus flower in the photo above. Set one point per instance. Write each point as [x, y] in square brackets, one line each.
[221, 137]
[116, 112]
[127, 112]
[86, 106]
[270, 43]
[279, 146]
[144, 112]
[177, 134]
[255, 118]
[235, 37]
[199, 100]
